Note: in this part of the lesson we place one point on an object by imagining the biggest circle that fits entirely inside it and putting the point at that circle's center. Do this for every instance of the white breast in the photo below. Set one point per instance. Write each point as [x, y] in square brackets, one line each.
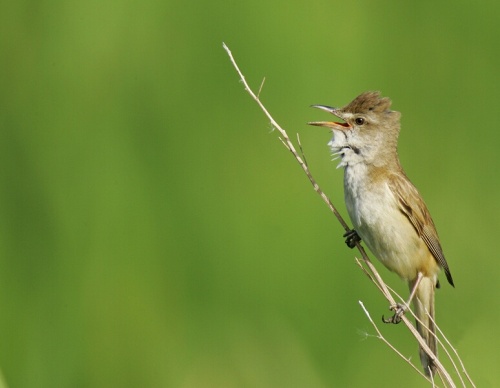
[387, 232]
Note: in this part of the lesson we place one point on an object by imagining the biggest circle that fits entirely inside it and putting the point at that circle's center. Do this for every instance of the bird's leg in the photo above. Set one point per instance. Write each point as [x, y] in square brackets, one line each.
[399, 308]
[352, 237]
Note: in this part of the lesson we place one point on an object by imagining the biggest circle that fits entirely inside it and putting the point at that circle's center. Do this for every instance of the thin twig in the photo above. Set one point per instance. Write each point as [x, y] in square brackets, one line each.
[443, 346]
[287, 141]
[302, 150]
[443, 373]
[450, 357]
[464, 371]
[381, 337]
[261, 86]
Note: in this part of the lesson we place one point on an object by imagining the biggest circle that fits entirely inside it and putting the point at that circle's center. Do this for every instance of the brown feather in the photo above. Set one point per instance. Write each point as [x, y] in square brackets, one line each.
[412, 206]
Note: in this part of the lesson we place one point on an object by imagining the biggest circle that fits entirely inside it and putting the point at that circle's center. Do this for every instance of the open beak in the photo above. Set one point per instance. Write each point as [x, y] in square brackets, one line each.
[330, 124]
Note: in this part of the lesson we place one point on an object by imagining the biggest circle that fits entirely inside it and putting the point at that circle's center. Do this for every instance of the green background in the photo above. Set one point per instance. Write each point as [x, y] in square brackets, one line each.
[155, 232]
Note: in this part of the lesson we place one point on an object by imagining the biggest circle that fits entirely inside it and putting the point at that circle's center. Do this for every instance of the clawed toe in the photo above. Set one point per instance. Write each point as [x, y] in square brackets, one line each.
[352, 237]
[399, 310]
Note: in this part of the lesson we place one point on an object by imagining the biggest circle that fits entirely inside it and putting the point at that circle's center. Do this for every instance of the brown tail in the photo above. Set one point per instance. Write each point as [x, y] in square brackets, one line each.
[423, 304]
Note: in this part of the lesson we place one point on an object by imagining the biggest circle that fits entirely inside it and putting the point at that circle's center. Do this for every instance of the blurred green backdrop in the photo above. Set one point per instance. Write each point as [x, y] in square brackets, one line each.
[154, 232]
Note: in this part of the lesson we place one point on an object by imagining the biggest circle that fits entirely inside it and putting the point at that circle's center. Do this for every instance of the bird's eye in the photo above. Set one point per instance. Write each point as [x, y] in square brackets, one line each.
[359, 120]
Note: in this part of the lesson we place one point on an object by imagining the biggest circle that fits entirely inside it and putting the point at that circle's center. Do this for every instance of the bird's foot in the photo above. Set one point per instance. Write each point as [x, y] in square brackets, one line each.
[399, 310]
[352, 237]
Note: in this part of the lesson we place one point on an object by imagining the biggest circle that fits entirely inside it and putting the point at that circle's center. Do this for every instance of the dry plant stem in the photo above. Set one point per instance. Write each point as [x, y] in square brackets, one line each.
[450, 357]
[286, 141]
[382, 338]
[443, 345]
[443, 373]
[464, 371]
[372, 273]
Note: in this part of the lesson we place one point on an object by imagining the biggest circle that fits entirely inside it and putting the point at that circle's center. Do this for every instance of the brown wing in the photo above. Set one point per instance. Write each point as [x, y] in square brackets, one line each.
[412, 206]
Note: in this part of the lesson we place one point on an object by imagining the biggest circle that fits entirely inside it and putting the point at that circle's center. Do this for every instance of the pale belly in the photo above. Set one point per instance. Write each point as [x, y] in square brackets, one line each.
[387, 231]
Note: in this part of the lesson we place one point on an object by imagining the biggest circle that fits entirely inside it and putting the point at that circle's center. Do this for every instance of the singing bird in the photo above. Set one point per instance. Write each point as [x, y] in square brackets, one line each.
[386, 209]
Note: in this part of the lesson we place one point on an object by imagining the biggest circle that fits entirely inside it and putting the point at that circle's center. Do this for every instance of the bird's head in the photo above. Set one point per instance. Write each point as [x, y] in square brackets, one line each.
[368, 133]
